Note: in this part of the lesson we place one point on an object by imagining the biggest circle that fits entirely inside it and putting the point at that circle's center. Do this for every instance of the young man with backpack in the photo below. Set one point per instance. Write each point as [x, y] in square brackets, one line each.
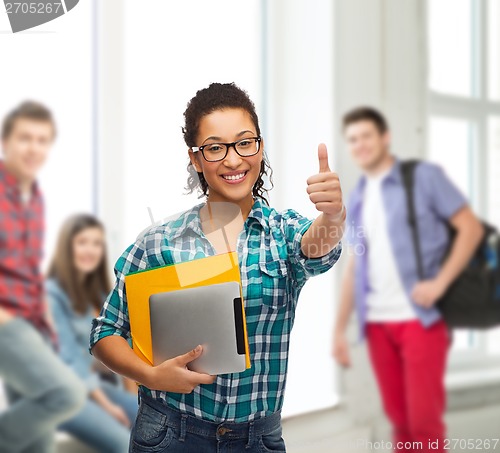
[407, 338]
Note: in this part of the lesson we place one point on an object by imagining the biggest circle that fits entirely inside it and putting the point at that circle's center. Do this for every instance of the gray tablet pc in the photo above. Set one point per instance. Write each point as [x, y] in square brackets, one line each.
[209, 315]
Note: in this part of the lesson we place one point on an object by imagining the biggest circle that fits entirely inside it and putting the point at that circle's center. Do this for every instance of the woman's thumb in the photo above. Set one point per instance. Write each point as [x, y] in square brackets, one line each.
[191, 355]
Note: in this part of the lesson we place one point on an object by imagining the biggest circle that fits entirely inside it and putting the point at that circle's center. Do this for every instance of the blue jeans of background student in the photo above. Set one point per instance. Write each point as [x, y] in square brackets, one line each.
[161, 429]
[97, 428]
[47, 391]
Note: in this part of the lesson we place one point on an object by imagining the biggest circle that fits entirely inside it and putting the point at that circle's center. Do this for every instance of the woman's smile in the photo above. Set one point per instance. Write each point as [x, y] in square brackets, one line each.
[234, 177]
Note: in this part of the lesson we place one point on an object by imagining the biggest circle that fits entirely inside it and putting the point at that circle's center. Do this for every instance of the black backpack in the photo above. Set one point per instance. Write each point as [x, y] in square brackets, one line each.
[473, 299]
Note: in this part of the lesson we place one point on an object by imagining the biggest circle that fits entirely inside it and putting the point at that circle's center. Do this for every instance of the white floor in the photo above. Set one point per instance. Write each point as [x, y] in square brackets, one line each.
[321, 433]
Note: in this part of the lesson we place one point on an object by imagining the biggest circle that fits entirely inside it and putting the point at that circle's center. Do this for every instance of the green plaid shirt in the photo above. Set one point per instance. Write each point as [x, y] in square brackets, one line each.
[273, 271]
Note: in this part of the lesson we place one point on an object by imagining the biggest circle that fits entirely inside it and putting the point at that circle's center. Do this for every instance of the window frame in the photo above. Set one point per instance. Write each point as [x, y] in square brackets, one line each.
[476, 110]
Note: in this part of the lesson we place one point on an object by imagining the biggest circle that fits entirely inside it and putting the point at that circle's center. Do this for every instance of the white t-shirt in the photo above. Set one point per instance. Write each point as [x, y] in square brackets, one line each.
[386, 300]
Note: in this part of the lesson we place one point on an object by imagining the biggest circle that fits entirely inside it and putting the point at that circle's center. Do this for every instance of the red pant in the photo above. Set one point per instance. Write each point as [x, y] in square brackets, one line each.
[410, 362]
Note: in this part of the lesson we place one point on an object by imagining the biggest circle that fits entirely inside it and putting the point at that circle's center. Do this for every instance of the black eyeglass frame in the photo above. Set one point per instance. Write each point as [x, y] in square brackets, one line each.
[258, 140]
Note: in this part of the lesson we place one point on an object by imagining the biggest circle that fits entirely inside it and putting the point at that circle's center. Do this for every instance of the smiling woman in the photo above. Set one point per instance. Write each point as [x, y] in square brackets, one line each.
[277, 251]
[292, 89]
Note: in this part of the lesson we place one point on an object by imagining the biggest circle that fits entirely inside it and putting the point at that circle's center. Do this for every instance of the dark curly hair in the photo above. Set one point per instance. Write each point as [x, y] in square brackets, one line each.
[219, 96]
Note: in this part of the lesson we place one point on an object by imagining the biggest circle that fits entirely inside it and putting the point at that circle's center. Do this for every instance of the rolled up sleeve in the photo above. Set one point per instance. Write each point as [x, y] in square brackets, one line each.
[303, 267]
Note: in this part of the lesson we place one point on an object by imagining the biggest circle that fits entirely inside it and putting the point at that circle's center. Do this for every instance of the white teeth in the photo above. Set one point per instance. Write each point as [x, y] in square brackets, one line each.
[234, 177]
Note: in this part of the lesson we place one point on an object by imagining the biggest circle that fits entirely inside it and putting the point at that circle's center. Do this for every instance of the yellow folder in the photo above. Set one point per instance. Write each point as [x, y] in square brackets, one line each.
[199, 272]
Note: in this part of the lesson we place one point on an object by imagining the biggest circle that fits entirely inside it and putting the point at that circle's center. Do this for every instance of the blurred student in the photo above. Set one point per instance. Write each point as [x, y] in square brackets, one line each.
[43, 392]
[185, 411]
[407, 339]
[76, 288]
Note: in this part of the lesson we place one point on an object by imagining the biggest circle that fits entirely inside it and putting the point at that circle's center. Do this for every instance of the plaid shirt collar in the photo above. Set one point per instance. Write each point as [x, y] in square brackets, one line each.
[11, 184]
[191, 219]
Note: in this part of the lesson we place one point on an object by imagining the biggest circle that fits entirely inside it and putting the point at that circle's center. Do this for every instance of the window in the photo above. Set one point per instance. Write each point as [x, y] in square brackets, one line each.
[452, 140]
[464, 120]
[494, 50]
[493, 126]
[53, 64]
[451, 47]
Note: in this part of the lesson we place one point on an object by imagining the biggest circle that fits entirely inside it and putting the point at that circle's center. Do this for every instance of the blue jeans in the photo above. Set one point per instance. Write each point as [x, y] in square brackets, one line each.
[159, 429]
[43, 391]
[98, 429]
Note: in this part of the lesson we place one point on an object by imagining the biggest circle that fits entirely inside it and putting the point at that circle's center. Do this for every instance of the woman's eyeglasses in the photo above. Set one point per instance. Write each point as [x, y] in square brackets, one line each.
[214, 152]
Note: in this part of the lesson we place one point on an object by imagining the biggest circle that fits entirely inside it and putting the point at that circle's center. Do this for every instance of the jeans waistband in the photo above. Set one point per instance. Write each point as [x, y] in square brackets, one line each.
[219, 430]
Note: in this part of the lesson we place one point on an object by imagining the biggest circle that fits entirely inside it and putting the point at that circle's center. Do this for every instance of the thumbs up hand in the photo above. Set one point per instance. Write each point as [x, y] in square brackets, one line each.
[324, 189]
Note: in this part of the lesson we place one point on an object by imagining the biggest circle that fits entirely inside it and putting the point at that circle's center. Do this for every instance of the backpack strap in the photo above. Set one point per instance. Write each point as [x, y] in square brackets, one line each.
[407, 173]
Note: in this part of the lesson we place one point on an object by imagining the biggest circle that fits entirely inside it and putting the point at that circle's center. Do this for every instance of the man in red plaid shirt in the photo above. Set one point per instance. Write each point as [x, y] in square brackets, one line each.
[42, 390]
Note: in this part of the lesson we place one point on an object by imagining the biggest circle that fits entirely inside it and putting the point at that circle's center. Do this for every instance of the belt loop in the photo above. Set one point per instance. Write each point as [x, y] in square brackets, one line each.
[250, 435]
[139, 398]
[182, 435]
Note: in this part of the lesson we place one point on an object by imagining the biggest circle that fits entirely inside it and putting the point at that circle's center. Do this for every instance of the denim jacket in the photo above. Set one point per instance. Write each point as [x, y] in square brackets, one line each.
[73, 331]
